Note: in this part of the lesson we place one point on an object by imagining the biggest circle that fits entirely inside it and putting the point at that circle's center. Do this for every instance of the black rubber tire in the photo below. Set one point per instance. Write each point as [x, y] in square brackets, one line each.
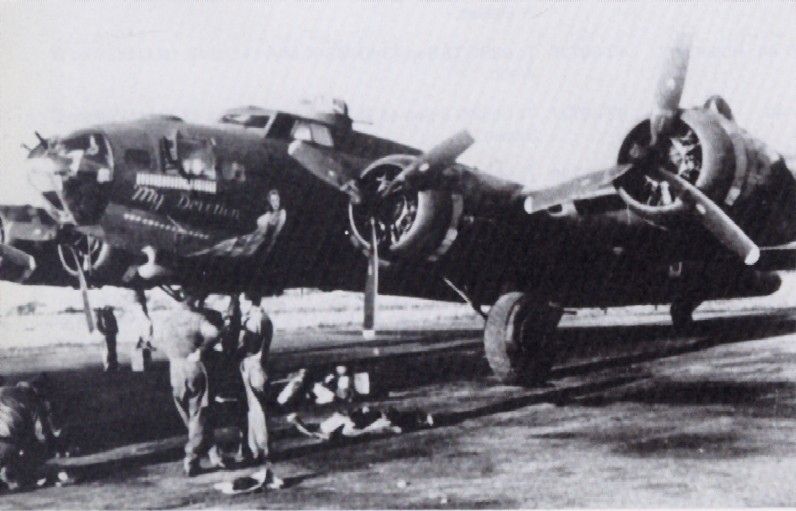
[682, 313]
[517, 339]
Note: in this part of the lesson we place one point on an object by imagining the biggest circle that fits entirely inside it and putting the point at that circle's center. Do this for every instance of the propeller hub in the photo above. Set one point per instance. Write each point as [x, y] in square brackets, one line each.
[392, 215]
[679, 152]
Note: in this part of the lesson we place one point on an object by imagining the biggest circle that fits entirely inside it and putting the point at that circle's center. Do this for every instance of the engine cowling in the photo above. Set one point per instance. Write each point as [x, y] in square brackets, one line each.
[93, 254]
[698, 148]
[411, 225]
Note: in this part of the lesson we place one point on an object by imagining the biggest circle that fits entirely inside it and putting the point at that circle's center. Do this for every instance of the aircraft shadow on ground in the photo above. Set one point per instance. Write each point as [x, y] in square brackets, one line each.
[388, 338]
[705, 334]
[593, 343]
[582, 352]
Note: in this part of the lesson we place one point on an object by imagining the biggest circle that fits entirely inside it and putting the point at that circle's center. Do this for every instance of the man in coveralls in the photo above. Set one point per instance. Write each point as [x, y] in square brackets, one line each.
[188, 337]
[256, 337]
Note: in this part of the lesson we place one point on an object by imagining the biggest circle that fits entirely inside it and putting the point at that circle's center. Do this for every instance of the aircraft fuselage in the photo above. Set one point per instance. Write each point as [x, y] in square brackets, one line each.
[227, 208]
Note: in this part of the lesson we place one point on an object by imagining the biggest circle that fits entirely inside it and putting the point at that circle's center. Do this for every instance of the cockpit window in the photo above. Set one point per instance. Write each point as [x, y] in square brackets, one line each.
[321, 135]
[281, 127]
[301, 131]
[312, 132]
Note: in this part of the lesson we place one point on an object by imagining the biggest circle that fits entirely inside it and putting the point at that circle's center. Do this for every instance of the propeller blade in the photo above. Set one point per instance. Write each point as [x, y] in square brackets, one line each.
[441, 155]
[713, 218]
[325, 167]
[445, 152]
[371, 285]
[81, 278]
[669, 89]
[539, 200]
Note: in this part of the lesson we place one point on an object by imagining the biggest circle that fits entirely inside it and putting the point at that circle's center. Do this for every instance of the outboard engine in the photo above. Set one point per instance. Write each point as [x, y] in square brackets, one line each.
[698, 148]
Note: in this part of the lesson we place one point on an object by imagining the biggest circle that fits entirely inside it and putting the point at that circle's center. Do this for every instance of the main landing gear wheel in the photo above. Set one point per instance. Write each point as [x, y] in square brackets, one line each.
[682, 312]
[517, 338]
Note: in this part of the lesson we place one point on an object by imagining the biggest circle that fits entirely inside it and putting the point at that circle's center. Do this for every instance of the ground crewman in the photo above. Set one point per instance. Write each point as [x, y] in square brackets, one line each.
[228, 373]
[27, 438]
[109, 328]
[187, 337]
[256, 336]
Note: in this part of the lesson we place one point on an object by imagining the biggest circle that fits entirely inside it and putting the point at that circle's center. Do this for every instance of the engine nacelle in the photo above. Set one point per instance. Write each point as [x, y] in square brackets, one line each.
[411, 225]
[698, 149]
[92, 254]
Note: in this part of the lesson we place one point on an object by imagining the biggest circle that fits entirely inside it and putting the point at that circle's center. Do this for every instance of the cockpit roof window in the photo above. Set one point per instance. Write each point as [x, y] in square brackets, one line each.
[247, 120]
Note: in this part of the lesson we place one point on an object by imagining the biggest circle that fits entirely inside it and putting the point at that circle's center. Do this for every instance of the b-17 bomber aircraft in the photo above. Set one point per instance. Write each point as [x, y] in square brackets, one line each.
[265, 200]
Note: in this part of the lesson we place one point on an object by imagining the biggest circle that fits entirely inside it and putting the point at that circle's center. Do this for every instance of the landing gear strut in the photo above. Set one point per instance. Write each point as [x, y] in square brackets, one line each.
[682, 312]
[140, 299]
[517, 338]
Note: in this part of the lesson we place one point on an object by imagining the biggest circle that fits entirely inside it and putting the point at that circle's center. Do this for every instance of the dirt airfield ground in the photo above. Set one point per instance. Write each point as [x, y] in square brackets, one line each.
[632, 416]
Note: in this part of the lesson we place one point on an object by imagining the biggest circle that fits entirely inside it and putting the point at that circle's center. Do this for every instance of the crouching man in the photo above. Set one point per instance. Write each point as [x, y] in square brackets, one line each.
[27, 438]
[187, 337]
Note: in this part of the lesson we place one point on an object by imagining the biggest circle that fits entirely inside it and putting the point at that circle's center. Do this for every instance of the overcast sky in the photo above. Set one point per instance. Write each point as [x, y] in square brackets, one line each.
[547, 89]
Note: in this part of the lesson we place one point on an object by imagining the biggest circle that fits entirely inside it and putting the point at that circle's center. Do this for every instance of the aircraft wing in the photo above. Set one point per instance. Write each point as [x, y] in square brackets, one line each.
[580, 188]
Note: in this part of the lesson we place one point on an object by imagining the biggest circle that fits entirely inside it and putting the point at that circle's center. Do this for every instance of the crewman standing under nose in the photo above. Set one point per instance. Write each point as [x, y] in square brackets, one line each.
[230, 388]
[188, 337]
[109, 328]
[256, 337]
